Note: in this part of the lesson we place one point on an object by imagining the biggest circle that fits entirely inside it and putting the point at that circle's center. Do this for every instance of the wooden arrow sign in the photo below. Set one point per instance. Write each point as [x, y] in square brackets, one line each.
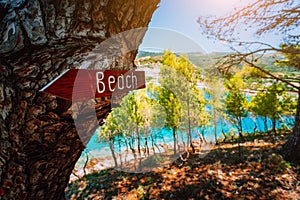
[84, 84]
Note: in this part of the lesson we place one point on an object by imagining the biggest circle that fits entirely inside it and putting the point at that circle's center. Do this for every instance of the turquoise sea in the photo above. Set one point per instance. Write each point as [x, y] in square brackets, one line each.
[164, 135]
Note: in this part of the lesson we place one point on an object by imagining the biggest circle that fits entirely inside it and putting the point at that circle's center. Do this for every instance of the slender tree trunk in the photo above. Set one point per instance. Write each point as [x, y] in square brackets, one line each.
[191, 142]
[255, 126]
[266, 124]
[203, 136]
[132, 147]
[183, 142]
[188, 140]
[112, 149]
[189, 125]
[121, 153]
[240, 138]
[38, 41]
[154, 145]
[175, 140]
[274, 125]
[147, 147]
[215, 126]
[127, 149]
[240, 129]
[139, 148]
[139, 142]
[291, 148]
[225, 136]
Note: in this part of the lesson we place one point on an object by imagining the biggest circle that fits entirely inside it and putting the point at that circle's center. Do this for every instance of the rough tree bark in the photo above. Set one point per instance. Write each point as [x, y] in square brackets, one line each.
[39, 144]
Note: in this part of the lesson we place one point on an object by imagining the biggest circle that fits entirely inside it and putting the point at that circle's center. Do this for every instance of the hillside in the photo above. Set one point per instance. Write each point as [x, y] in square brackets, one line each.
[259, 174]
[208, 60]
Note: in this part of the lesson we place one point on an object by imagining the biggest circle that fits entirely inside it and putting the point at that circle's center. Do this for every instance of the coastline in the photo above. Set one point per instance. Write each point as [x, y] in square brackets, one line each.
[156, 158]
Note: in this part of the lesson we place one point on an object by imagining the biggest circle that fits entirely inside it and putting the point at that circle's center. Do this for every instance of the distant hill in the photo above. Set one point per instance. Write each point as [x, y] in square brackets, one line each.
[208, 60]
[199, 59]
[147, 53]
[205, 60]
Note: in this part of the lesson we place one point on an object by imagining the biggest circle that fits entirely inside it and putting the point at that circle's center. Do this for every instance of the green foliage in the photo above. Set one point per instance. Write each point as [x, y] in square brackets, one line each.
[110, 130]
[175, 104]
[142, 193]
[216, 91]
[251, 72]
[273, 102]
[170, 104]
[277, 163]
[177, 93]
[126, 120]
[179, 78]
[288, 104]
[235, 102]
[169, 58]
[131, 105]
[292, 56]
[180, 64]
[152, 113]
[266, 103]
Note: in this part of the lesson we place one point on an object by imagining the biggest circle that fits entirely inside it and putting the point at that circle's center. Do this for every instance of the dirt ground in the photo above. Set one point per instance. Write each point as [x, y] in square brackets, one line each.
[254, 170]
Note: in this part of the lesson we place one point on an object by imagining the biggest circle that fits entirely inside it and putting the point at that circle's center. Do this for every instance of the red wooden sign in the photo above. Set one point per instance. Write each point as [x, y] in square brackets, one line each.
[83, 84]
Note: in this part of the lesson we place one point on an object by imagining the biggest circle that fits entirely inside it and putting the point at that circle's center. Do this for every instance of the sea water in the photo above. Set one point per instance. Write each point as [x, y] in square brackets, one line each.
[165, 135]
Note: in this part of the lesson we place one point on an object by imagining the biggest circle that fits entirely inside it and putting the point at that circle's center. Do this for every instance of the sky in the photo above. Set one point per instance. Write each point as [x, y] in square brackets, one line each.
[178, 17]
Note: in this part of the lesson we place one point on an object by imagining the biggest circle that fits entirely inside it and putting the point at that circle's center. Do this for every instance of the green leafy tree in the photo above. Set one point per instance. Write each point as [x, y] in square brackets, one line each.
[193, 110]
[153, 117]
[259, 107]
[170, 104]
[128, 121]
[134, 122]
[178, 75]
[134, 119]
[236, 102]
[266, 104]
[236, 105]
[216, 91]
[288, 104]
[108, 133]
[273, 103]
[169, 58]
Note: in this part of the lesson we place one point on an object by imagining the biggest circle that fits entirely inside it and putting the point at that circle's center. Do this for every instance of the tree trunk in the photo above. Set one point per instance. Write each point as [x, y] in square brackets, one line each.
[120, 152]
[274, 125]
[190, 141]
[255, 125]
[266, 124]
[147, 147]
[215, 126]
[175, 140]
[39, 143]
[240, 128]
[240, 138]
[291, 148]
[112, 149]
